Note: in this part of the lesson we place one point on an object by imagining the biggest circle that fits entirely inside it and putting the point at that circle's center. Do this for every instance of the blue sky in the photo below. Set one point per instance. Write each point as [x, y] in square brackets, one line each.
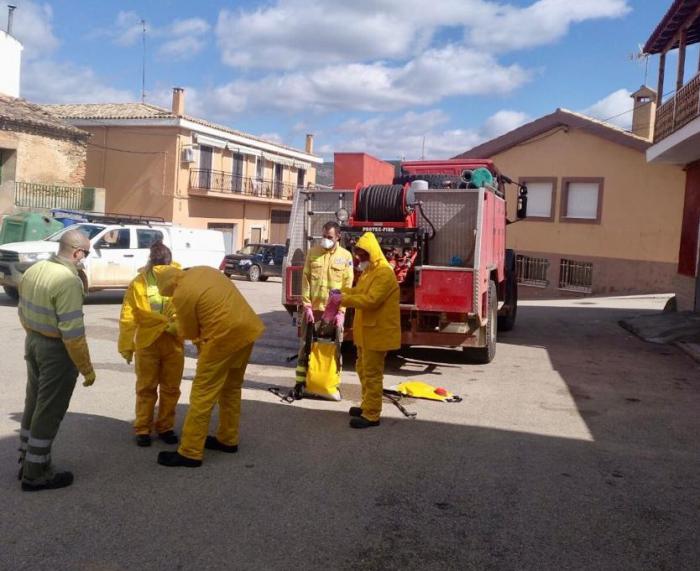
[381, 76]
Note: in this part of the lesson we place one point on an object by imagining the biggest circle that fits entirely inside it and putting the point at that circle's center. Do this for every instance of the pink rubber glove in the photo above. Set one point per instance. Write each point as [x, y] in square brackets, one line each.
[340, 320]
[308, 314]
[332, 307]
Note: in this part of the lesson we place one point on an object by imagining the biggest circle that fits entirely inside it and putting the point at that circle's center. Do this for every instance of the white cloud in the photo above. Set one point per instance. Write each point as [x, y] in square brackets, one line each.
[49, 81]
[298, 33]
[413, 135]
[434, 75]
[32, 26]
[128, 29]
[181, 48]
[272, 137]
[541, 23]
[615, 108]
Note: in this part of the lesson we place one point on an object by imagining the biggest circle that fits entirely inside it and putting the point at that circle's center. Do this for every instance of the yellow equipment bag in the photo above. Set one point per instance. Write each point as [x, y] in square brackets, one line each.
[323, 375]
[421, 390]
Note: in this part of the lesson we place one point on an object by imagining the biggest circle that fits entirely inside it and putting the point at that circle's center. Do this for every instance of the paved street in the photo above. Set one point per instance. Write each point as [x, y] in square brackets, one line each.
[578, 448]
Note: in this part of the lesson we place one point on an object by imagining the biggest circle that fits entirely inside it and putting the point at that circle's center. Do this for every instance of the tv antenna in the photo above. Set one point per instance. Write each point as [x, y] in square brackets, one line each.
[143, 62]
[422, 153]
[638, 56]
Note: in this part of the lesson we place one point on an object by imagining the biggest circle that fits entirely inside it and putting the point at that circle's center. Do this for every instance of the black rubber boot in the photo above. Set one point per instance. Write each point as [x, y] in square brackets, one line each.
[173, 460]
[143, 440]
[59, 480]
[362, 422]
[213, 443]
[355, 411]
[168, 437]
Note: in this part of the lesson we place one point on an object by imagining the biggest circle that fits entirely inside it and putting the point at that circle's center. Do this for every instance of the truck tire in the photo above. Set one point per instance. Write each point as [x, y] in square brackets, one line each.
[12, 292]
[484, 355]
[254, 273]
[507, 322]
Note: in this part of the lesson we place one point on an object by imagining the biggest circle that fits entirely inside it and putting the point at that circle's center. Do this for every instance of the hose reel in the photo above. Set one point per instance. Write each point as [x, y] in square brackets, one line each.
[384, 203]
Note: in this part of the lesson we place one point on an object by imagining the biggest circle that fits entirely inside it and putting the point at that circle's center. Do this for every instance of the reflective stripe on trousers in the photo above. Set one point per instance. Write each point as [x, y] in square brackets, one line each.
[51, 378]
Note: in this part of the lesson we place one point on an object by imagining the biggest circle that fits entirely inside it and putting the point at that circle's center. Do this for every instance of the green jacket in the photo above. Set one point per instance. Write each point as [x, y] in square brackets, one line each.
[51, 303]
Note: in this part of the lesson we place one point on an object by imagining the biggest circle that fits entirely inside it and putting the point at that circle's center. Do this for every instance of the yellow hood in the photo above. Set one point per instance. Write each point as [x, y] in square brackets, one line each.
[167, 278]
[368, 242]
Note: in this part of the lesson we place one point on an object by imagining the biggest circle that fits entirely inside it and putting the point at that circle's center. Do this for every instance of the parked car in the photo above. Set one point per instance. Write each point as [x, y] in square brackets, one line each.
[117, 252]
[256, 261]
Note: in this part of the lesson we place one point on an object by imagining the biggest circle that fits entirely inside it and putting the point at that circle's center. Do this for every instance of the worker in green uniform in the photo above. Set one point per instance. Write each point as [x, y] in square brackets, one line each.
[51, 311]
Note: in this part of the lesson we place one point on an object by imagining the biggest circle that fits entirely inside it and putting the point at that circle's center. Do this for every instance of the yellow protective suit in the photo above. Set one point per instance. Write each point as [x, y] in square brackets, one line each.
[211, 310]
[377, 323]
[150, 333]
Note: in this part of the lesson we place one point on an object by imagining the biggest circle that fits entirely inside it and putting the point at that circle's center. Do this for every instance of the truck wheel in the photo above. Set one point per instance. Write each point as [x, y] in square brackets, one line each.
[484, 355]
[254, 273]
[507, 322]
[12, 292]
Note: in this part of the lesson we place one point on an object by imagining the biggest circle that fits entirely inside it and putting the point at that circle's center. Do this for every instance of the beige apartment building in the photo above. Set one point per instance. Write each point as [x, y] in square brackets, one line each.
[163, 163]
[601, 220]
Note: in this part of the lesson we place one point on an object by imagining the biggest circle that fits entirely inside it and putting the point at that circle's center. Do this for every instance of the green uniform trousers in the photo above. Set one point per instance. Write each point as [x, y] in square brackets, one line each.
[51, 378]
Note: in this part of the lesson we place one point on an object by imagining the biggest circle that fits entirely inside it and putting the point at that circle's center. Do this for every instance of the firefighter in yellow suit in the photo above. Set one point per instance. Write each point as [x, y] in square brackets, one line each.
[376, 327]
[148, 331]
[327, 267]
[211, 311]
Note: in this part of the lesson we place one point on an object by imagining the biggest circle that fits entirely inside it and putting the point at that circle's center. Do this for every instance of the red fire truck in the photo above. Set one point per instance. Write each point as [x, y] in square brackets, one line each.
[442, 226]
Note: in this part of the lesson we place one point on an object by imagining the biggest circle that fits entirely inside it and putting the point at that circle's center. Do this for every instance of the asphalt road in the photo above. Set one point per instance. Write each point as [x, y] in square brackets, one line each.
[577, 448]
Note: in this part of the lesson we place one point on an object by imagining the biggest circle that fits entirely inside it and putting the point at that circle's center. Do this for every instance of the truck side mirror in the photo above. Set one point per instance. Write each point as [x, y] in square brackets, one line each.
[522, 203]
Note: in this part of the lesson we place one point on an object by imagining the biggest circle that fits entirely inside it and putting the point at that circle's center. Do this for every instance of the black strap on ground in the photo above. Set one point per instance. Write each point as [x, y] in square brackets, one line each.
[286, 395]
[396, 401]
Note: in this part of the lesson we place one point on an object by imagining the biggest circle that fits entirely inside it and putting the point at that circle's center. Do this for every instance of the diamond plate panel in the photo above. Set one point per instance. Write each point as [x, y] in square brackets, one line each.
[454, 213]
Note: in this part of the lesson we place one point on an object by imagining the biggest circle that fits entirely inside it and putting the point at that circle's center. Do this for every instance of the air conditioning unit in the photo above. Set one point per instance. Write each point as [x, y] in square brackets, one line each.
[188, 155]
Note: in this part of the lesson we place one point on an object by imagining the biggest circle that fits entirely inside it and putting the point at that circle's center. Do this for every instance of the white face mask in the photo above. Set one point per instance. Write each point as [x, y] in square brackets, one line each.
[327, 243]
[362, 266]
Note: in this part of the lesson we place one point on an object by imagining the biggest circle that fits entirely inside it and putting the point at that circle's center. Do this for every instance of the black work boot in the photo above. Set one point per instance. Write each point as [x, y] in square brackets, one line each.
[213, 443]
[169, 437]
[59, 480]
[173, 460]
[355, 411]
[362, 422]
[143, 440]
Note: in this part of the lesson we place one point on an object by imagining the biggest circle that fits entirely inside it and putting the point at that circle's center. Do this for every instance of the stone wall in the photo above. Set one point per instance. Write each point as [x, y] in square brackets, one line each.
[39, 158]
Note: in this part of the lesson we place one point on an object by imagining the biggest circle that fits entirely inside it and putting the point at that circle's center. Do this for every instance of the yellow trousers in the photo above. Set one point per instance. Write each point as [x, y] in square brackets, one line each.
[217, 380]
[370, 369]
[158, 366]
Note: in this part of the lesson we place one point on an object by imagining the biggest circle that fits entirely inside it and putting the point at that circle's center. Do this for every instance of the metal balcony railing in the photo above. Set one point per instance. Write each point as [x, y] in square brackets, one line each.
[532, 271]
[576, 276]
[678, 111]
[48, 196]
[223, 182]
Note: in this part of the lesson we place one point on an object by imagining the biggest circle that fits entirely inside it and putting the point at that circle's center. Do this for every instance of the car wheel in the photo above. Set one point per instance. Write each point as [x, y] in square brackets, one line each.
[254, 273]
[12, 292]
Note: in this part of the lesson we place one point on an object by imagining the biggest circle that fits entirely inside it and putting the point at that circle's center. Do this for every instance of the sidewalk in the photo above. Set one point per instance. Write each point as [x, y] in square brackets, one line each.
[681, 329]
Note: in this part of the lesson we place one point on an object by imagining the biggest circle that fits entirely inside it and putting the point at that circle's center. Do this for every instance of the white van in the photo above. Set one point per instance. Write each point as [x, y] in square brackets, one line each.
[117, 252]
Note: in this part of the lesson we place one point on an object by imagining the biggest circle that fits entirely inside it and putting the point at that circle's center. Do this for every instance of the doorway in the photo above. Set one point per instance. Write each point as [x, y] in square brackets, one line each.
[230, 235]
[256, 235]
[696, 305]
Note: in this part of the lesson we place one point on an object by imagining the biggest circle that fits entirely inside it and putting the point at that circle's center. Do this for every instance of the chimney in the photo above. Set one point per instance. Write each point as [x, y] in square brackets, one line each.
[178, 101]
[644, 114]
[10, 16]
[310, 144]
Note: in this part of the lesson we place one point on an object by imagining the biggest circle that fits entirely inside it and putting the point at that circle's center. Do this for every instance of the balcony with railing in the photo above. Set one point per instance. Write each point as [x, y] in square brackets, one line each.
[50, 196]
[678, 111]
[220, 182]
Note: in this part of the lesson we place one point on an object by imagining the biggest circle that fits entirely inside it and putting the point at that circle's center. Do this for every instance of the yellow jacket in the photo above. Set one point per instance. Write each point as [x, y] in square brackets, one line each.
[325, 270]
[377, 324]
[209, 309]
[139, 326]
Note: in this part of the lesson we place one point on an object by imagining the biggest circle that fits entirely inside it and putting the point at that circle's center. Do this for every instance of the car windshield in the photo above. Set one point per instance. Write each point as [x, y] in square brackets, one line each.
[251, 249]
[90, 230]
